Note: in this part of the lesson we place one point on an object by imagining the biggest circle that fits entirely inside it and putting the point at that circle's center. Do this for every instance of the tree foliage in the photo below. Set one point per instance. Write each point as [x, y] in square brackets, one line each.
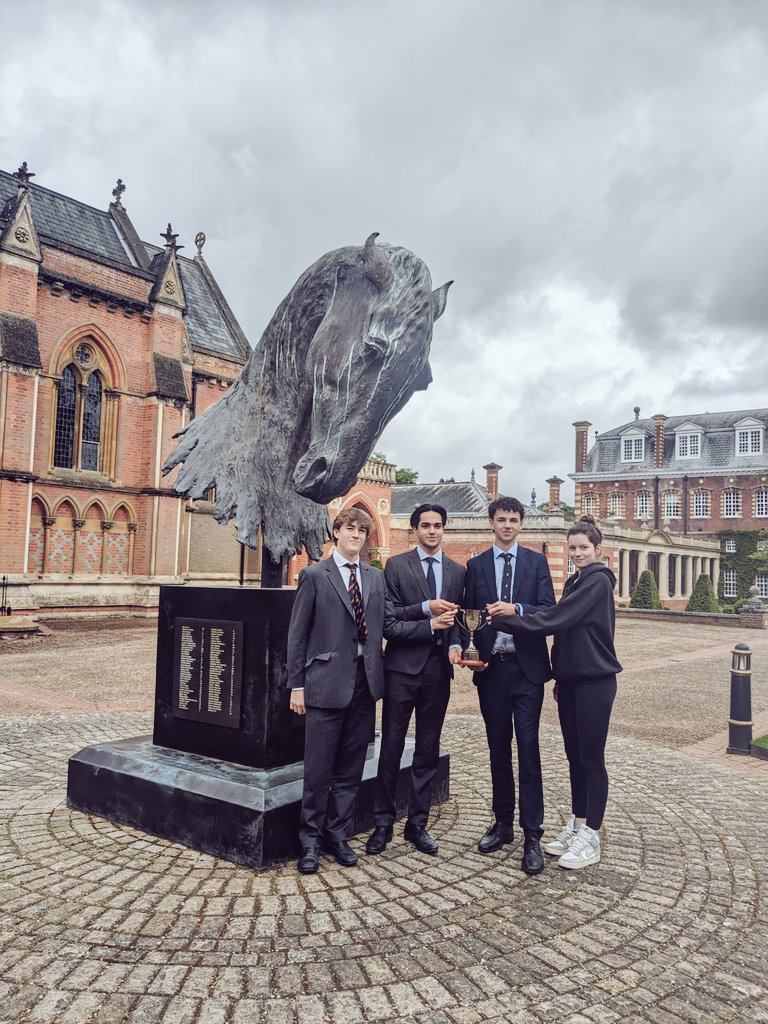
[646, 592]
[406, 475]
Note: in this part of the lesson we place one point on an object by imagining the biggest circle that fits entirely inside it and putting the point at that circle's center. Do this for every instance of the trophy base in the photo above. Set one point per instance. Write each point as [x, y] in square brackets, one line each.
[471, 663]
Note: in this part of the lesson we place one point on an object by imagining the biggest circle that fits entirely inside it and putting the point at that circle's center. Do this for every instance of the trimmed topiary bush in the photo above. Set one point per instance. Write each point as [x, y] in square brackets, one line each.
[646, 593]
[703, 597]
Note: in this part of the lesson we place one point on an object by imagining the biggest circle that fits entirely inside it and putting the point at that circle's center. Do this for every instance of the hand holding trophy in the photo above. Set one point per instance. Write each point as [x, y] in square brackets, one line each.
[474, 619]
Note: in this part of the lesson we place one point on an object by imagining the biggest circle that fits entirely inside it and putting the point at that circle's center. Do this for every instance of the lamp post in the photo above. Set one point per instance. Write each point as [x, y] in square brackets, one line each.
[740, 721]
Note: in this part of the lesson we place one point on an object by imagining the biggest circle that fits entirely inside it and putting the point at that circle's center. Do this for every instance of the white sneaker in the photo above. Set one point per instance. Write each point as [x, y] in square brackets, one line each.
[583, 850]
[557, 847]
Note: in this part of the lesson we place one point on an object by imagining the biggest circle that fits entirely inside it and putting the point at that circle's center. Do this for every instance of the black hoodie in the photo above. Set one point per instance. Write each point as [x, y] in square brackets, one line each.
[583, 624]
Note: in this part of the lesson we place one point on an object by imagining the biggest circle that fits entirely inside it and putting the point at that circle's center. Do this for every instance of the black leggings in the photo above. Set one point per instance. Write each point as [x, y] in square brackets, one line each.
[584, 709]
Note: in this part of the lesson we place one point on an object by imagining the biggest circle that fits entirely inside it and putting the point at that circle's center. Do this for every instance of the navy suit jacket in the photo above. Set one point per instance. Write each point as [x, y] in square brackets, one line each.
[406, 628]
[532, 588]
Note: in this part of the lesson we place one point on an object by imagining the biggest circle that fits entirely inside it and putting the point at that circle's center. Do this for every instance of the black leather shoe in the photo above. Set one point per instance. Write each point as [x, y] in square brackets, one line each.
[496, 836]
[533, 861]
[421, 839]
[378, 839]
[309, 861]
[342, 851]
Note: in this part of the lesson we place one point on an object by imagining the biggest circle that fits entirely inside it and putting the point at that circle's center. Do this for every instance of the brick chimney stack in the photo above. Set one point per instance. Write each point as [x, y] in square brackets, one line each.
[492, 480]
[659, 420]
[554, 492]
[582, 444]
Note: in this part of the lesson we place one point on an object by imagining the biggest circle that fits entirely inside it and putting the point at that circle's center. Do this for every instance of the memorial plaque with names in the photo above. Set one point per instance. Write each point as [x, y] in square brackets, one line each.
[207, 672]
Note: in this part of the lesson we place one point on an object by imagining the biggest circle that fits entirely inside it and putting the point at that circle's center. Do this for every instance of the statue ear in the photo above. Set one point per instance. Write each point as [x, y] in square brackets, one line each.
[424, 379]
[439, 299]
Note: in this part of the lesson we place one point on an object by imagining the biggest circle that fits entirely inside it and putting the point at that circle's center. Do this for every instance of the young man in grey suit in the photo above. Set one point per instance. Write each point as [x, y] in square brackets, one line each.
[336, 675]
[424, 587]
[511, 688]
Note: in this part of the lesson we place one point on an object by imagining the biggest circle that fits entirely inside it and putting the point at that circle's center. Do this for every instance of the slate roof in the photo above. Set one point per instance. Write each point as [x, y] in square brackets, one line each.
[466, 498]
[62, 221]
[718, 447]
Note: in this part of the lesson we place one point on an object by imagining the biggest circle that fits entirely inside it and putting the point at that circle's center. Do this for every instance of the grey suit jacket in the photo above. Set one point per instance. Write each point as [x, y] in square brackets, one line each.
[322, 637]
[406, 628]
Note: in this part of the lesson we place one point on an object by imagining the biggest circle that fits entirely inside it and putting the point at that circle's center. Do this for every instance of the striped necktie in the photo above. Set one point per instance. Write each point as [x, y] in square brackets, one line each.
[357, 603]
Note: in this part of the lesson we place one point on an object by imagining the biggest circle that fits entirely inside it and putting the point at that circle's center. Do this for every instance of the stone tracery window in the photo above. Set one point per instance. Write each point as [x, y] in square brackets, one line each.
[85, 412]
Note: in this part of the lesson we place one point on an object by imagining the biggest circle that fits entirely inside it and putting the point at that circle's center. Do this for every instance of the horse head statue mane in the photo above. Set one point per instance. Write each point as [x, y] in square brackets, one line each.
[344, 352]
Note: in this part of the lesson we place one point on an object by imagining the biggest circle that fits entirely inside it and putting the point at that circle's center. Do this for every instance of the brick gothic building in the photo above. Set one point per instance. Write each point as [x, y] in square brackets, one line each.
[684, 477]
[108, 346]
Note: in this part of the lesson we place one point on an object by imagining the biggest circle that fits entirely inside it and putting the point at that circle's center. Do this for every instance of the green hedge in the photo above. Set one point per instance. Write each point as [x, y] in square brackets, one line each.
[646, 593]
[746, 560]
[703, 598]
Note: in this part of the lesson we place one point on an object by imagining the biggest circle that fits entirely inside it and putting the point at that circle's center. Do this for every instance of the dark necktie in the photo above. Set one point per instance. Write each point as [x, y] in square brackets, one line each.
[357, 603]
[431, 581]
[506, 577]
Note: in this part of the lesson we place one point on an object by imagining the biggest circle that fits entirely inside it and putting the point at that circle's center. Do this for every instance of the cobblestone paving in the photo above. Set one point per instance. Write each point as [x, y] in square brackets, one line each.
[106, 925]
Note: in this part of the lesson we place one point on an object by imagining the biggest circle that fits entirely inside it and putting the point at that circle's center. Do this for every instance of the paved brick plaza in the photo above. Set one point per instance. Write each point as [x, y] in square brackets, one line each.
[103, 924]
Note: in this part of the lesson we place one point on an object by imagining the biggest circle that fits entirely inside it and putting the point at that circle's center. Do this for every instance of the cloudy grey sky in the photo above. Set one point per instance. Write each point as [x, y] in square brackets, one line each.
[592, 175]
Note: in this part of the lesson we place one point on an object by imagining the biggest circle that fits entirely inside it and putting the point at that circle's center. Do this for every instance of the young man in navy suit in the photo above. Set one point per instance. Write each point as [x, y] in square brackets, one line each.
[511, 688]
[336, 675]
[424, 588]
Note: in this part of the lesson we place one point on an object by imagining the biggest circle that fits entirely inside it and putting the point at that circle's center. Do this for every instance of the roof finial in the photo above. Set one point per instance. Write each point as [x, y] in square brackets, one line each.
[533, 497]
[170, 239]
[117, 192]
[472, 475]
[636, 411]
[24, 175]
[200, 242]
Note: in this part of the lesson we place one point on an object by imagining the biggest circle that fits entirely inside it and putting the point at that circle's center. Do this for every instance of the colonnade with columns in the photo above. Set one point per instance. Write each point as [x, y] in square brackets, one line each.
[676, 571]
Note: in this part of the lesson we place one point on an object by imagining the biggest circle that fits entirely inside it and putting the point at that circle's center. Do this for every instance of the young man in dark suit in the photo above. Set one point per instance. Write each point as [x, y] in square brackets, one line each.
[504, 578]
[336, 675]
[424, 587]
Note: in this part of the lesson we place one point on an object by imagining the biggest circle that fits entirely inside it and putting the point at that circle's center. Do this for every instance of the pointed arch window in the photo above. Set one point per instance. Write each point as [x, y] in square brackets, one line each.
[77, 434]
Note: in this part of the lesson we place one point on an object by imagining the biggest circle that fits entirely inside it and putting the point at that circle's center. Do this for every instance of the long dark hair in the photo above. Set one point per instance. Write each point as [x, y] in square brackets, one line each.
[589, 527]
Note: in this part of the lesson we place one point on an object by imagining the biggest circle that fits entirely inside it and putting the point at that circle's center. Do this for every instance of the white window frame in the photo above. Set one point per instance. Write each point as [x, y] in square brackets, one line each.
[616, 504]
[706, 498]
[590, 504]
[685, 448]
[570, 568]
[761, 503]
[761, 580]
[633, 449]
[730, 546]
[749, 441]
[730, 583]
[641, 513]
[732, 509]
[677, 498]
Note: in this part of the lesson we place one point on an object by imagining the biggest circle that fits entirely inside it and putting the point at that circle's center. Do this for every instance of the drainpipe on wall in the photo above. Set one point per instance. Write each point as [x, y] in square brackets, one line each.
[685, 504]
[656, 519]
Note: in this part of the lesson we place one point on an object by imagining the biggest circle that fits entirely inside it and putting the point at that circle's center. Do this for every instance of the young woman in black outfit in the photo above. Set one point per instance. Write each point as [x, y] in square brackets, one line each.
[584, 665]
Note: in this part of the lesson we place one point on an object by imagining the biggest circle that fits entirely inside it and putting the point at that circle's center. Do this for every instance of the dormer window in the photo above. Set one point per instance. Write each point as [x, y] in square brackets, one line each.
[632, 449]
[688, 446]
[749, 441]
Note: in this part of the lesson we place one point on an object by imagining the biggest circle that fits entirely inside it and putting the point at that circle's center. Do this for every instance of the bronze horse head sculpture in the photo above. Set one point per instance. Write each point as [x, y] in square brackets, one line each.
[344, 352]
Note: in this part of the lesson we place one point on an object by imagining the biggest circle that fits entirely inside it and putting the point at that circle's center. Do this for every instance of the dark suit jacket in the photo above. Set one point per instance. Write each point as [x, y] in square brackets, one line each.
[322, 637]
[532, 588]
[406, 628]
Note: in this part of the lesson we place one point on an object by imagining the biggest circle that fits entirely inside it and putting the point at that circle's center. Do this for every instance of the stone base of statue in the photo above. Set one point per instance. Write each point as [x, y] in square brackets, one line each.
[222, 772]
[228, 810]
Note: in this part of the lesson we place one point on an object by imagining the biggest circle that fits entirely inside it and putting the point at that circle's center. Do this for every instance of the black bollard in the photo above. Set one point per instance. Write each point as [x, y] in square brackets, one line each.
[740, 722]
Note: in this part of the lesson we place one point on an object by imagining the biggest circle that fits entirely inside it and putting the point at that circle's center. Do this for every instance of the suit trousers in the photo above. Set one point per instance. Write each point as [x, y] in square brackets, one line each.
[334, 758]
[427, 694]
[511, 705]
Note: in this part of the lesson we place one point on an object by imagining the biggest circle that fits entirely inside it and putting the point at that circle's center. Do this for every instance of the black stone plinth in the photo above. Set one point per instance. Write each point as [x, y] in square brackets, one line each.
[265, 734]
[228, 810]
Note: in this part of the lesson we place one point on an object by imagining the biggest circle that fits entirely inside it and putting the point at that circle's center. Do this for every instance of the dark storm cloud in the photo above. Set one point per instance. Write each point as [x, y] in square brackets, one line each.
[591, 174]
